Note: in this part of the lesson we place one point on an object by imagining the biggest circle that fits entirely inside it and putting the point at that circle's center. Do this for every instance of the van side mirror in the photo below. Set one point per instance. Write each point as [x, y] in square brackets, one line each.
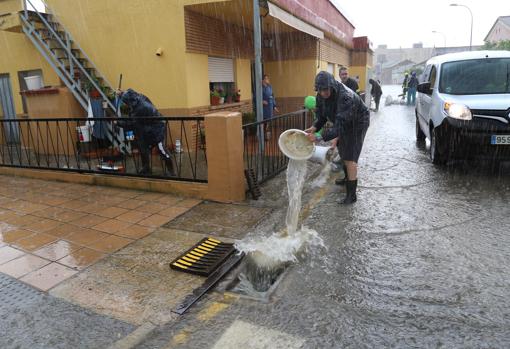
[424, 88]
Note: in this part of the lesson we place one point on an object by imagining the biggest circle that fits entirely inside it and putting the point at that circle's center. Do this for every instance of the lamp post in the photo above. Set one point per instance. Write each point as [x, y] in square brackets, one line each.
[444, 36]
[471, 13]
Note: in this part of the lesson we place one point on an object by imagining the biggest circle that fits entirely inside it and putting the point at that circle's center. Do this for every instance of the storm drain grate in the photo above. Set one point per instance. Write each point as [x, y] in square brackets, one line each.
[204, 257]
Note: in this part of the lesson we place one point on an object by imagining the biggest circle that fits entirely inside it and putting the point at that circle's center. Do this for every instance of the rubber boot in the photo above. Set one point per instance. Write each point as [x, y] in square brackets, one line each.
[170, 167]
[341, 181]
[350, 196]
[146, 162]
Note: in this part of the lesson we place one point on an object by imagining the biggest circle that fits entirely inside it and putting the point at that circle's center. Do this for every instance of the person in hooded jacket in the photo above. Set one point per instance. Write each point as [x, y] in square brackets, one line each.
[351, 118]
[376, 92]
[149, 133]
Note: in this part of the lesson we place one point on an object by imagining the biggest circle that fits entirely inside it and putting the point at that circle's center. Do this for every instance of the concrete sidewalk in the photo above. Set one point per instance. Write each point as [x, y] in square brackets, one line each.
[102, 251]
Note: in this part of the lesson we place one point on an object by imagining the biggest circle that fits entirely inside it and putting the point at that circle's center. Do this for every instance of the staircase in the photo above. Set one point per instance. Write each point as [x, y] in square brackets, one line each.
[65, 56]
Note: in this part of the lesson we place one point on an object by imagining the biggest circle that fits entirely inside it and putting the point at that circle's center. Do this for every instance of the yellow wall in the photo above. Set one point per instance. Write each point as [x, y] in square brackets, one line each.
[293, 78]
[19, 54]
[8, 6]
[362, 73]
[243, 78]
[197, 79]
[122, 37]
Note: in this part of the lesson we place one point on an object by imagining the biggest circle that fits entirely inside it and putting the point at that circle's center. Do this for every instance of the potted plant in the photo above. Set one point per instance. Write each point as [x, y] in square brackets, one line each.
[215, 97]
[91, 89]
[228, 98]
[222, 95]
[237, 96]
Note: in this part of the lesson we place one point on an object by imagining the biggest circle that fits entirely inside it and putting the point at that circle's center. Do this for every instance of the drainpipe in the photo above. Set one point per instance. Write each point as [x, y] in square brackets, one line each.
[257, 43]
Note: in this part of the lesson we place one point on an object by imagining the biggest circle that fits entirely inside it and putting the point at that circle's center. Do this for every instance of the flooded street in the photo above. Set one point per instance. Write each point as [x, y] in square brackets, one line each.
[420, 261]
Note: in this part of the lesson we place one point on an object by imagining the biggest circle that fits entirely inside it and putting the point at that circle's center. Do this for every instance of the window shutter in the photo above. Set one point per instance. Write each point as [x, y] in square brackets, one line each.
[221, 69]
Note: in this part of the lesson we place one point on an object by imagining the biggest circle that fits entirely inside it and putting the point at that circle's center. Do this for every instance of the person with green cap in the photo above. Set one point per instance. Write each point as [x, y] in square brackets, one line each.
[351, 119]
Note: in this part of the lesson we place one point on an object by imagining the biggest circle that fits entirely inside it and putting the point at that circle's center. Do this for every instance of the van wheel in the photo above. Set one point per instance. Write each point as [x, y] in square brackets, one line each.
[435, 155]
[420, 136]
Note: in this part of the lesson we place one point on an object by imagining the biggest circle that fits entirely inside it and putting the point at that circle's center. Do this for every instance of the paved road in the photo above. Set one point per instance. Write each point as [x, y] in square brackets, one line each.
[420, 261]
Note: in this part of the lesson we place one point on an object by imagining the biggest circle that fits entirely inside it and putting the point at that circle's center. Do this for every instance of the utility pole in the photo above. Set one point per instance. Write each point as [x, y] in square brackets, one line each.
[257, 43]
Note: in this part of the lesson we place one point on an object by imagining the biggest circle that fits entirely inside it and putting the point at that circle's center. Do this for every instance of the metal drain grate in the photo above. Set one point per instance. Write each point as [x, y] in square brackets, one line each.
[204, 257]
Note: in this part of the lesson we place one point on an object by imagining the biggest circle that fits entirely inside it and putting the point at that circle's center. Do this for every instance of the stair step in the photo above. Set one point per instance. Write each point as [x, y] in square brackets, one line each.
[47, 35]
[66, 60]
[61, 53]
[33, 16]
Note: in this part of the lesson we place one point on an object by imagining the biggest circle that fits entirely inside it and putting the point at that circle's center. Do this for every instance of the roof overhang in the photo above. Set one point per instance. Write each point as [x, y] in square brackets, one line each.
[10, 22]
[293, 21]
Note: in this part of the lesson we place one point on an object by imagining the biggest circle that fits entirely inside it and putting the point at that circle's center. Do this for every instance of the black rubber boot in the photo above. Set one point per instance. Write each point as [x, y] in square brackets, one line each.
[170, 167]
[341, 181]
[350, 196]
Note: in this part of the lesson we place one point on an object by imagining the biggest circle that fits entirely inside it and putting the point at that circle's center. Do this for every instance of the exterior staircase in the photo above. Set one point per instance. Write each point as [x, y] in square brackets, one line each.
[65, 55]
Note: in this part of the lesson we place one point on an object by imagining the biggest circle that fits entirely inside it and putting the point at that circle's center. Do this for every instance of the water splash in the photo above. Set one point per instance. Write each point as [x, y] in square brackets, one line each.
[267, 257]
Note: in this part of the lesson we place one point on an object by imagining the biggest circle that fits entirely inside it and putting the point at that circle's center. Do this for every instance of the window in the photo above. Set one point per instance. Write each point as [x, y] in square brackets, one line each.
[331, 68]
[221, 77]
[476, 76]
[432, 78]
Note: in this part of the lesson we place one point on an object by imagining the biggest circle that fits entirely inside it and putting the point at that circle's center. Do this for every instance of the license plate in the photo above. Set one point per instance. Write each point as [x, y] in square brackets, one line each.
[500, 139]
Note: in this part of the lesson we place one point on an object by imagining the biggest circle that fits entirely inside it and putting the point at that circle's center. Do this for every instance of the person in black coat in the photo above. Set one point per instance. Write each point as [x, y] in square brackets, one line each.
[149, 133]
[376, 92]
[347, 80]
[351, 119]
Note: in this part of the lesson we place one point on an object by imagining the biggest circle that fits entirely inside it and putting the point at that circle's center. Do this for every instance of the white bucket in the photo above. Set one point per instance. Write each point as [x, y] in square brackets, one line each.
[83, 133]
[34, 82]
[321, 154]
[295, 145]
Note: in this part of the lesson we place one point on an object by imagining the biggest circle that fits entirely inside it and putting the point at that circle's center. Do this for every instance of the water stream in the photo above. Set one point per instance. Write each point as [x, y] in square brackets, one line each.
[268, 256]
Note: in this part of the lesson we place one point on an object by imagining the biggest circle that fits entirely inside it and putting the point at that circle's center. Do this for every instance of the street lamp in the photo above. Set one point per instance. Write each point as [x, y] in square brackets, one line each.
[444, 36]
[471, 37]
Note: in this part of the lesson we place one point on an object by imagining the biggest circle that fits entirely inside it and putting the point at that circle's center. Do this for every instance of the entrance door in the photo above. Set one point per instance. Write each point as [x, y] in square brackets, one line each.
[10, 129]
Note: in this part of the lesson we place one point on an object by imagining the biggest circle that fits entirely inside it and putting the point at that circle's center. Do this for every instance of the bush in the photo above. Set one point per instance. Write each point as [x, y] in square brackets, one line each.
[249, 118]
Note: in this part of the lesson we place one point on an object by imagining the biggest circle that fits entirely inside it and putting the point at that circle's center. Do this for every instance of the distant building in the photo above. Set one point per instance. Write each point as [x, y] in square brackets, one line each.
[500, 30]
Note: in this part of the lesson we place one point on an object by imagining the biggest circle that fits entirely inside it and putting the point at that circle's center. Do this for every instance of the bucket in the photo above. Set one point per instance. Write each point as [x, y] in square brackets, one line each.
[34, 82]
[295, 145]
[321, 154]
[83, 133]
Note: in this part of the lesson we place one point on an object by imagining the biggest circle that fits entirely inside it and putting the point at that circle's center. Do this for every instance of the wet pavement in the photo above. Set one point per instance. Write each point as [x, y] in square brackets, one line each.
[33, 319]
[420, 261]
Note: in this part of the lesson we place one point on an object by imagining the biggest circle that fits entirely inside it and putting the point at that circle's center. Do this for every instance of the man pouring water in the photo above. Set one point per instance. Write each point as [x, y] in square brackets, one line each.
[351, 119]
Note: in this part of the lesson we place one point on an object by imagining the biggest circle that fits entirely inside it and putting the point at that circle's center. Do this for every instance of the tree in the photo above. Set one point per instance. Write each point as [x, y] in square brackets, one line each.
[500, 45]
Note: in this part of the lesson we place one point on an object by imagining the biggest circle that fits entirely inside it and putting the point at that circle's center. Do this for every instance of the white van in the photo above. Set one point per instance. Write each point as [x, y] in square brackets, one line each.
[463, 105]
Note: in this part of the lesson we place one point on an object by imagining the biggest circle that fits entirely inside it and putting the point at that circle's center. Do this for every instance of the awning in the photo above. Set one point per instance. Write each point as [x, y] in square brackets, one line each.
[293, 21]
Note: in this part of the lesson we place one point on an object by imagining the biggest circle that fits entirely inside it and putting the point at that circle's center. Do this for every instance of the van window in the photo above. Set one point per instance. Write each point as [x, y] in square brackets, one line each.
[432, 78]
[475, 76]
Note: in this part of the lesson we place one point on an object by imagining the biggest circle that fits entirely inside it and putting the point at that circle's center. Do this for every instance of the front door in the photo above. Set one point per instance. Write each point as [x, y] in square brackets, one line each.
[9, 129]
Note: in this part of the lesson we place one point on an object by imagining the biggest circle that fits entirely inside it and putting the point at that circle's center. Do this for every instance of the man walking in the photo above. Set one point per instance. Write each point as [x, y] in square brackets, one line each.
[412, 85]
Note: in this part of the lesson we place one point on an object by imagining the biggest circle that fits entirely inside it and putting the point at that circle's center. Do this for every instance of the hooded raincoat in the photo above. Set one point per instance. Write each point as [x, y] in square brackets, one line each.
[346, 111]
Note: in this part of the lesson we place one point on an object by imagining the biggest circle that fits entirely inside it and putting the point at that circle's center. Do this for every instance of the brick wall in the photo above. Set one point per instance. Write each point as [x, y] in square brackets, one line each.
[213, 37]
[332, 52]
[289, 46]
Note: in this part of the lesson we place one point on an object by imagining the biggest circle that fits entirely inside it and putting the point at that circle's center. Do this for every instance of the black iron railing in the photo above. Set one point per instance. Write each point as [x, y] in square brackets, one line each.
[262, 156]
[152, 147]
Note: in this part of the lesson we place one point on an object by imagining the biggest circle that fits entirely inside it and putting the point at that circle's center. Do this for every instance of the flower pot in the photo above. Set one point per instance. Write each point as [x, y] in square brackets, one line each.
[215, 100]
[229, 99]
[94, 94]
[238, 99]
[222, 100]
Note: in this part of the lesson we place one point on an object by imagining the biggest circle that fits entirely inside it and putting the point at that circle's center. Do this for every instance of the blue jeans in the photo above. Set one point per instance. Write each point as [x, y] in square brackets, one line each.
[411, 96]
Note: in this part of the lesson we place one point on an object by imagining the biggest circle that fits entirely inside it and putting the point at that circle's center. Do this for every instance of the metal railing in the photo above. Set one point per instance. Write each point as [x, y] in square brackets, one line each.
[117, 146]
[262, 156]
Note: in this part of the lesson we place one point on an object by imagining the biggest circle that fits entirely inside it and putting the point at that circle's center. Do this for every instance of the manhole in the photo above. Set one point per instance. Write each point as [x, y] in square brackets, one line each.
[251, 281]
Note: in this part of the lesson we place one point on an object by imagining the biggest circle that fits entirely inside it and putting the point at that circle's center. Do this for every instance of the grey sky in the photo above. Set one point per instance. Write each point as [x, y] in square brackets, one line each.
[400, 23]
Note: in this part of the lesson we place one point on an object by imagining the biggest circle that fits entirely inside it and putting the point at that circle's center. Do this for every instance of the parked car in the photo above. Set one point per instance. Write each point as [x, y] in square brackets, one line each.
[463, 105]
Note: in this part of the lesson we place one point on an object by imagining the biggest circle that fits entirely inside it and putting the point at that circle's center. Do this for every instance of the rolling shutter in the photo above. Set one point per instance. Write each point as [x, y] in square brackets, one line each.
[221, 69]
